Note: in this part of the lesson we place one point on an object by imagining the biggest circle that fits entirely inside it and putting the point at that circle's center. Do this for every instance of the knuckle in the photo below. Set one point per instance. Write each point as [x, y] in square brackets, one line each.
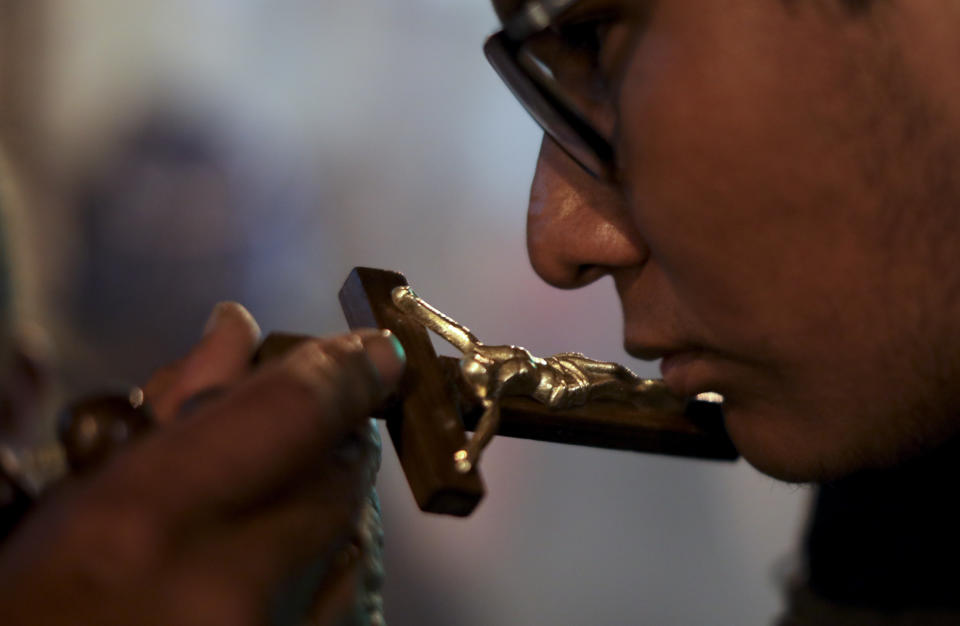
[335, 369]
[310, 370]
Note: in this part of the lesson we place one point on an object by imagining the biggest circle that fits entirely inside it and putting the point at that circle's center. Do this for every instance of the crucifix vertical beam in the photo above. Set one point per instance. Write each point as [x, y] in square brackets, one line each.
[424, 425]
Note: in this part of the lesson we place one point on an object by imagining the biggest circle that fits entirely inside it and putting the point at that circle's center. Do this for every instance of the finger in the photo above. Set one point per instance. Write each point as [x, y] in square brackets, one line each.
[264, 545]
[199, 399]
[222, 357]
[285, 552]
[302, 524]
[296, 530]
[263, 433]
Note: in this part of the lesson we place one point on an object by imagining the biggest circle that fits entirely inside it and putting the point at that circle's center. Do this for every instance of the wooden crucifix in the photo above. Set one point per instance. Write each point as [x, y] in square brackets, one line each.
[490, 389]
[504, 390]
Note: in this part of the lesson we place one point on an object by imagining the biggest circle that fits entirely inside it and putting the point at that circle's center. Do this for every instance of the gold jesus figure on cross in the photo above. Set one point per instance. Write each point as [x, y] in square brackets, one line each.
[493, 372]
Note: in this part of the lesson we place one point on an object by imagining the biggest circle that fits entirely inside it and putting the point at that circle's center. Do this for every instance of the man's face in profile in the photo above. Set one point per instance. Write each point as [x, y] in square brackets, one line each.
[782, 232]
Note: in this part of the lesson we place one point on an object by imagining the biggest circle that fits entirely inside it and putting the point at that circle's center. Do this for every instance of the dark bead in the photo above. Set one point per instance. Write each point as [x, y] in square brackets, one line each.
[92, 428]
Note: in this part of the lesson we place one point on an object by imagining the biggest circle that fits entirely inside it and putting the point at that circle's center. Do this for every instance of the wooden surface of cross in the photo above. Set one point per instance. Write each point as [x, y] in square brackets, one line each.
[429, 417]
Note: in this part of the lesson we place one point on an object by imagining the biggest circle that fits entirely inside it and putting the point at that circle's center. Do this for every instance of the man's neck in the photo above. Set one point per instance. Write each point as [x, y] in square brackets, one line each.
[884, 539]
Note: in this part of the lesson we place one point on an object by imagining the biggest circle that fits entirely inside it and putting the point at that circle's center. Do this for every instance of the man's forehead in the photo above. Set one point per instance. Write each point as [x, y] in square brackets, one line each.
[507, 8]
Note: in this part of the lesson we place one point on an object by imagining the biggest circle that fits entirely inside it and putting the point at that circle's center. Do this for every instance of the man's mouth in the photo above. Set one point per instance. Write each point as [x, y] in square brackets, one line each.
[690, 373]
[687, 369]
[675, 368]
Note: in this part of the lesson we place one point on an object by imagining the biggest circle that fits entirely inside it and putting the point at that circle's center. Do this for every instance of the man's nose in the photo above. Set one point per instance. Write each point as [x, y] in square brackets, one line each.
[578, 228]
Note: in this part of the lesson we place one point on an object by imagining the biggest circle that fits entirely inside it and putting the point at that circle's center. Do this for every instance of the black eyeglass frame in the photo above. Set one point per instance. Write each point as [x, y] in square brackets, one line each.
[540, 94]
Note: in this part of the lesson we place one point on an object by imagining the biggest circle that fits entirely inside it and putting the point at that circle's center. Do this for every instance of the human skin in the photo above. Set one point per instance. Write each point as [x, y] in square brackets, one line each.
[236, 510]
[205, 519]
[783, 227]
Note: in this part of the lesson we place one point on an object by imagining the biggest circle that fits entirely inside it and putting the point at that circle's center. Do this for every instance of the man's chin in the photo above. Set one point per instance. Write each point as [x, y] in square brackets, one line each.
[774, 446]
[800, 448]
[789, 472]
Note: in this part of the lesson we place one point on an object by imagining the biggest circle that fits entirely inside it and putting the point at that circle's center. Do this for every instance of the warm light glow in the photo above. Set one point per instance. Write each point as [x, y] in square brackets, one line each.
[710, 396]
[462, 461]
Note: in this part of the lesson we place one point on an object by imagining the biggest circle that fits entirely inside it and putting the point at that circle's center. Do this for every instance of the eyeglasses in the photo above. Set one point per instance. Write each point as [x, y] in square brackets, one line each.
[553, 70]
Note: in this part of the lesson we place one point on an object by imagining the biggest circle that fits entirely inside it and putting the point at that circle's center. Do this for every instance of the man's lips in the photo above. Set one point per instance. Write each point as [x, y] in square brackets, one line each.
[686, 373]
[686, 369]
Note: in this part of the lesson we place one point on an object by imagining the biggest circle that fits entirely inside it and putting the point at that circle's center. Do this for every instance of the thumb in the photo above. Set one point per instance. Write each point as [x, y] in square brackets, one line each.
[220, 358]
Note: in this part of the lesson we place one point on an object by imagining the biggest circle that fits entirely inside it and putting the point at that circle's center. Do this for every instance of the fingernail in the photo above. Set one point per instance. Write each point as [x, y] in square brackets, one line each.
[227, 310]
[215, 316]
[387, 356]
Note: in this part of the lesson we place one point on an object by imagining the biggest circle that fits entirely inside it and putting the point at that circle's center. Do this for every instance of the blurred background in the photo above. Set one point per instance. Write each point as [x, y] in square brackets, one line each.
[160, 157]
